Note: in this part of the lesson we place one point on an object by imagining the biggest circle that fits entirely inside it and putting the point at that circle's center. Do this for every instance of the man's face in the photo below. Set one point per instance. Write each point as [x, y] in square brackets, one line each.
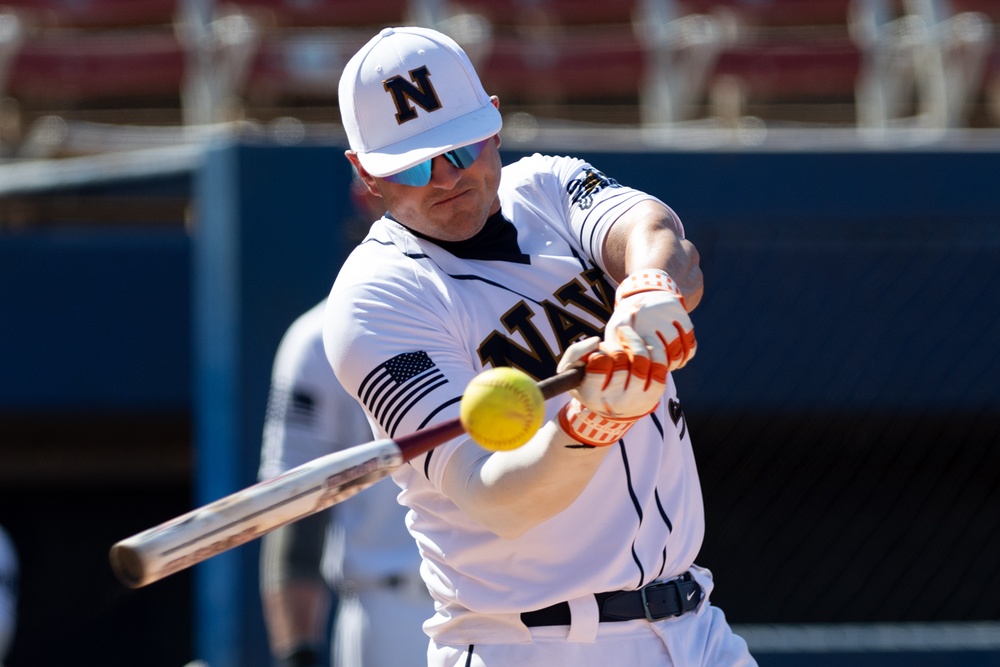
[454, 205]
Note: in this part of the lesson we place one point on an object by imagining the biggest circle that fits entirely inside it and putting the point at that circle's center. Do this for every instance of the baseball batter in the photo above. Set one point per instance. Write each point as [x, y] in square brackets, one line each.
[369, 558]
[579, 547]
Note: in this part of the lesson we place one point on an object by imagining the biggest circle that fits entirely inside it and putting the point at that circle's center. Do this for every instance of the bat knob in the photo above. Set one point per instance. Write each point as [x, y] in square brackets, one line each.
[127, 565]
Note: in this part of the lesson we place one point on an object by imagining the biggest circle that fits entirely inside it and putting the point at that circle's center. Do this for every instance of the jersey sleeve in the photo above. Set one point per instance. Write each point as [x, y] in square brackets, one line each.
[584, 198]
[398, 344]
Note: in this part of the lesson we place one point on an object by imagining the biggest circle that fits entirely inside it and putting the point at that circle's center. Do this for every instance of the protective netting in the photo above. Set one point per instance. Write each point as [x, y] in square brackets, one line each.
[845, 410]
[847, 518]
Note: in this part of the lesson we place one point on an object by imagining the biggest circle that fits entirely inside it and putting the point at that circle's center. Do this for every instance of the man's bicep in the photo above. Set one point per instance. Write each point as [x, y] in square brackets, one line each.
[409, 375]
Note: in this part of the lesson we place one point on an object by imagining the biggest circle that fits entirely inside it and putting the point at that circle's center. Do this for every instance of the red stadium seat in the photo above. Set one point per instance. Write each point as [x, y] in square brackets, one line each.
[95, 13]
[562, 68]
[327, 13]
[552, 12]
[70, 70]
[991, 74]
[304, 46]
[788, 60]
[792, 72]
[562, 57]
[775, 13]
[775, 52]
[300, 65]
[990, 8]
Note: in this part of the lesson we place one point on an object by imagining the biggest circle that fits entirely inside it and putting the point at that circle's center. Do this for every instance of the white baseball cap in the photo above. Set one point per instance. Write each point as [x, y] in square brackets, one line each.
[409, 95]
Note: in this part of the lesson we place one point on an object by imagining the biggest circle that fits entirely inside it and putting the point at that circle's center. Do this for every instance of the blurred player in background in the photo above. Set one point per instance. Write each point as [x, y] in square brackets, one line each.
[8, 593]
[359, 548]
[578, 548]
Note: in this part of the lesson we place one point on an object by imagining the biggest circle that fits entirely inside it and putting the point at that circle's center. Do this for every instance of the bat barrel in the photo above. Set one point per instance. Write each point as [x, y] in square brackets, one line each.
[250, 513]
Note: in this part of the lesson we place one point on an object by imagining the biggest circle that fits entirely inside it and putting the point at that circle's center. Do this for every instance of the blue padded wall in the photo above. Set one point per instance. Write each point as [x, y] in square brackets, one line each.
[266, 247]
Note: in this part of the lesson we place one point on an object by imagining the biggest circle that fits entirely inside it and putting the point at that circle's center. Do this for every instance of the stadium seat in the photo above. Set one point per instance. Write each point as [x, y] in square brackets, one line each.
[109, 60]
[77, 68]
[873, 63]
[637, 61]
[782, 60]
[775, 14]
[677, 60]
[990, 10]
[131, 73]
[94, 13]
[991, 87]
[326, 13]
[524, 13]
[559, 52]
[792, 72]
[299, 66]
[923, 68]
[564, 68]
[303, 47]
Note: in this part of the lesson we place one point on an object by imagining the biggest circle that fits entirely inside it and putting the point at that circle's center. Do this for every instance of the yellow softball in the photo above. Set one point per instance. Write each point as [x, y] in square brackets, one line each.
[502, 408]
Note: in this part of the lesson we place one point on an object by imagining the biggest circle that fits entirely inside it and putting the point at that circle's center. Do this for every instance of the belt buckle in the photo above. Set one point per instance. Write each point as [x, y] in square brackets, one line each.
[663, 584]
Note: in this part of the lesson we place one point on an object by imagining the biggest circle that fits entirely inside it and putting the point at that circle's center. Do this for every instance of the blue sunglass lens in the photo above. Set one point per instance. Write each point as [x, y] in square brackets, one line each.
[419, 175]
[463, 156]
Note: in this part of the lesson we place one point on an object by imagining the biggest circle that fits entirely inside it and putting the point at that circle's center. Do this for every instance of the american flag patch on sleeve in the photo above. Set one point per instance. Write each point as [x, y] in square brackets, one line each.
[394, 387]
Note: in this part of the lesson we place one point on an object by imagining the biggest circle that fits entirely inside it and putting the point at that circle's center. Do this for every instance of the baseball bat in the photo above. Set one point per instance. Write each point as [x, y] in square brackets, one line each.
[247, 514]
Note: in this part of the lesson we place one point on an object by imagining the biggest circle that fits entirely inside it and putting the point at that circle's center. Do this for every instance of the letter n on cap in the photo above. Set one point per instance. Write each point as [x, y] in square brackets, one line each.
[403, 92]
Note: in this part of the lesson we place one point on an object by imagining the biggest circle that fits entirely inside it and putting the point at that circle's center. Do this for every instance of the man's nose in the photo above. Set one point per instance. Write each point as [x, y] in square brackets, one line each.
[443, 173]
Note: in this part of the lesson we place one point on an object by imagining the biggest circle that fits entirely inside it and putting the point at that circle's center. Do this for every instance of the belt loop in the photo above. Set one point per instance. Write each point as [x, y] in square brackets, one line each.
[584, 622]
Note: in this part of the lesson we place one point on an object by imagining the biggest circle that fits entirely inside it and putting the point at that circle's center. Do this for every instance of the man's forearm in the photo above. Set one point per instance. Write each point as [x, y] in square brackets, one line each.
[295, 597]
[511, 492]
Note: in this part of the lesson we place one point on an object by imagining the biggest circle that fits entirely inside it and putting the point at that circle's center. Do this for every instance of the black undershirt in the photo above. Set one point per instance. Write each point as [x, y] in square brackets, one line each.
[496, 241]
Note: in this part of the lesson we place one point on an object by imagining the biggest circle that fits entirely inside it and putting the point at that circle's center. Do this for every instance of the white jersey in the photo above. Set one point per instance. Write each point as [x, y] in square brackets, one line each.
[411, 321]
[367, 541]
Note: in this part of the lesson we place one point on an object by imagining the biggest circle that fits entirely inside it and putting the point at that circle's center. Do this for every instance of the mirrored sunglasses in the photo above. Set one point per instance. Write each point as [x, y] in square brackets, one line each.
[419, 175]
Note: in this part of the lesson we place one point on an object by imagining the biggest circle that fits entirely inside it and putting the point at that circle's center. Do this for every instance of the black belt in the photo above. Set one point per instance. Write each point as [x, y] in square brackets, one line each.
[652, 602]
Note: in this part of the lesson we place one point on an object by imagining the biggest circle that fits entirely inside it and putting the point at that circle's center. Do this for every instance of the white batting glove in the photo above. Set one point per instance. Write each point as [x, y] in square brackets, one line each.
[649, 302]
[621, 385]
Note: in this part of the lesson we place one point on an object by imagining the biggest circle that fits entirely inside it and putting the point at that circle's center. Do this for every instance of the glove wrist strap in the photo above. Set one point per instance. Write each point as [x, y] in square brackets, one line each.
[592, 428]
[647, 280]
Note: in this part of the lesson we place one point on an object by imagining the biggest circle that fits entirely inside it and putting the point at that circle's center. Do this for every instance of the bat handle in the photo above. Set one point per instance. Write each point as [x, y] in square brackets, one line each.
[562, 382]
[414, 444]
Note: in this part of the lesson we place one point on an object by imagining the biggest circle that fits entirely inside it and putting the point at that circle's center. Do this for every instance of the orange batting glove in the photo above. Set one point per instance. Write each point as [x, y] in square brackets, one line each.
[621, 385]
[649, 302]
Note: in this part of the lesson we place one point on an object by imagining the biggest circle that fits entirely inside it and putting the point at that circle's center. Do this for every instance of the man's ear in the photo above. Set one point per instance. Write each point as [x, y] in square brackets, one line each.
[495, 101]
[366, 178]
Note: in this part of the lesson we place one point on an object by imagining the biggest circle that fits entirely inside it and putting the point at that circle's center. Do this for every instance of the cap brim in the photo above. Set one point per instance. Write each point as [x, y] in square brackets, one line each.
[467, 129]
